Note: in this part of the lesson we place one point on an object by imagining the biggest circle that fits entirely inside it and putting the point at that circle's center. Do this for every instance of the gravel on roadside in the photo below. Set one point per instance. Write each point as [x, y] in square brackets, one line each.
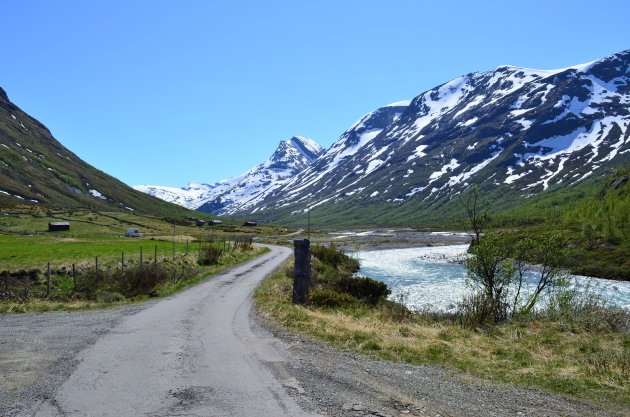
[38, 351]
[348, 384]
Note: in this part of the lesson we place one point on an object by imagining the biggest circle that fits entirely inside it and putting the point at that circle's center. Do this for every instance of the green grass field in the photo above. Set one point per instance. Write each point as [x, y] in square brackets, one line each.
[26, 243]
[95, 248]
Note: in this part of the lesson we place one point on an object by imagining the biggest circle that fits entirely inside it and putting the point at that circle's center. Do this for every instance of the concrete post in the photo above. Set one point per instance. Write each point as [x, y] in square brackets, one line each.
[301, 270]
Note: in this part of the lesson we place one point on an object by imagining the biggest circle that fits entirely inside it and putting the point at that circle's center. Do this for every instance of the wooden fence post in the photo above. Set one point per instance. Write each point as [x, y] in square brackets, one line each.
[74, 276]
[186, 247]
[141, 262]
[48, 280]
[301, 270]
[122, 261]
[96, 263]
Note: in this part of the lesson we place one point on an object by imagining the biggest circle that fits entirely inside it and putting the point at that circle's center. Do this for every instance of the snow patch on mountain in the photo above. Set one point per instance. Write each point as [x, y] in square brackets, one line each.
[191, 196]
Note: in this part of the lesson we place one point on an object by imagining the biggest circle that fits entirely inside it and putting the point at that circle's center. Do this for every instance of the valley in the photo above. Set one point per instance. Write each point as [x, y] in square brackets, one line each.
[158, 300]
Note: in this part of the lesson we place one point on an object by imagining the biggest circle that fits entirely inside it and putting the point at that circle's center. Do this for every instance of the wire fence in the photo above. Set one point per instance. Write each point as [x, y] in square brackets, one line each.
[130, 275]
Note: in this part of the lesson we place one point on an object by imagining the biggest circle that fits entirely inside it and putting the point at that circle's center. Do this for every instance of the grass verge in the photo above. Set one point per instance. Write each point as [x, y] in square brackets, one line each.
[225, 262]
[586, 362]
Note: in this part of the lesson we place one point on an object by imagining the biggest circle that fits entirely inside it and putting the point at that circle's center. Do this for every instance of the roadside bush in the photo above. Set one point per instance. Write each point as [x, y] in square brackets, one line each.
[329, 255]
[326, 297]
[32, 274]
[587, 312]
[332, 270]
[244, 243]
[209, 255]
[478, 310]
[138, 280]
[394, 311]
[90, 281]
[365, 289]
[14, 296]
[103, 296]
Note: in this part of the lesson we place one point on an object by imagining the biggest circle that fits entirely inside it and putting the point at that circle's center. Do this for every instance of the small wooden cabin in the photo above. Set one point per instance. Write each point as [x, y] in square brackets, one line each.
[250, 223]
[200, 223]
[214, 222]
[58, 226]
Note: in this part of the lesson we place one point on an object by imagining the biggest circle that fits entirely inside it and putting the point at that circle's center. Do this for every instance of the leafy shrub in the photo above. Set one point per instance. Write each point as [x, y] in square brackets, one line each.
[365, 289]
[209, 255]
[329, 255]
[326, 297]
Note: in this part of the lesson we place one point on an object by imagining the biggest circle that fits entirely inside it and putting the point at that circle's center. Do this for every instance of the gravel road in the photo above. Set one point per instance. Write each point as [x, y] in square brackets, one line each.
[203, 352]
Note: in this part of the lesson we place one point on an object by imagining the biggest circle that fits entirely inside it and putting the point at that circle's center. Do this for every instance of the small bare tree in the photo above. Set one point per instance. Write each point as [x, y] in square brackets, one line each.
[477, 209]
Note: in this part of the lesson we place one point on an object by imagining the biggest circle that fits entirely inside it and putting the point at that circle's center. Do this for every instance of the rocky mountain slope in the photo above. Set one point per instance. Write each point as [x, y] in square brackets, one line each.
[242, 193]
[37, 169]
[517, 132]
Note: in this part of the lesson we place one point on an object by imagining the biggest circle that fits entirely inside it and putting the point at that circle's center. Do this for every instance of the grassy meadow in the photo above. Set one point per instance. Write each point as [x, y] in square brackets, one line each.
[128, 268]
[26, 242]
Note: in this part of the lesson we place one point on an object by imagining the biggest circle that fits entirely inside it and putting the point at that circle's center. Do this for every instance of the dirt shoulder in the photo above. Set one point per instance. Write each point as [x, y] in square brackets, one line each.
[344, 383]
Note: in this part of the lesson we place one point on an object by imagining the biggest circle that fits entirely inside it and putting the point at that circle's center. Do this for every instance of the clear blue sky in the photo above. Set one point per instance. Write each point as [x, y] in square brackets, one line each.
[165, 92]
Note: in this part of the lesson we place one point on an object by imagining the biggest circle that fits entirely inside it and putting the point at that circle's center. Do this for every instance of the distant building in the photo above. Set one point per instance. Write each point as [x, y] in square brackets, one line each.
[200, 223]
[58, 226]
[213, 222]
[133, 232]
[250, 223]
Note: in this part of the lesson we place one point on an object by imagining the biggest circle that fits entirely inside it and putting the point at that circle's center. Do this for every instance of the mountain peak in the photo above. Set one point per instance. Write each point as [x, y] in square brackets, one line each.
[297, 152]
[290, 158]
[307, 147]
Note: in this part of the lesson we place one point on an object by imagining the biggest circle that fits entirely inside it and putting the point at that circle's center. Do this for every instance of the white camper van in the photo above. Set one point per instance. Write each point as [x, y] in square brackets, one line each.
[133, 232]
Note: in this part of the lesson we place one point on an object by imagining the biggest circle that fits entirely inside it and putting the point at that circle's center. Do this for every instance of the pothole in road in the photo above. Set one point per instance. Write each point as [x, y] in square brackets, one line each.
[192, 395]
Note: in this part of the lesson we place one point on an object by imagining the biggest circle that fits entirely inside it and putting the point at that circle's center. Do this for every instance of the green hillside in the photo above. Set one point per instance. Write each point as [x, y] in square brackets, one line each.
[36, 169]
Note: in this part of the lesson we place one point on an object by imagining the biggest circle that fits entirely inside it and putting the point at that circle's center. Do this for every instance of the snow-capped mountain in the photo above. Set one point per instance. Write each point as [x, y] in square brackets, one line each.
[244, 191]
[191, 196]
[517, 132]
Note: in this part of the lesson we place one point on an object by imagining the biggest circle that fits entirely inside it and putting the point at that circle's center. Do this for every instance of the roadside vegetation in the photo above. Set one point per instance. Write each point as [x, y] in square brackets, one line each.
[595, 220]
[94, 265]
[570, 344]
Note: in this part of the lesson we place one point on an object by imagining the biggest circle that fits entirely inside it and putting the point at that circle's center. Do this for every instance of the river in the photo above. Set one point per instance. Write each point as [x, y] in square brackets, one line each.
[430, 277]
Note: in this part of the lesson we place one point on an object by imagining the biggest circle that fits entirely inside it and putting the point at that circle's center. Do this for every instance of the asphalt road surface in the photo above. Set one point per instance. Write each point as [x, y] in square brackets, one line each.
[192, 354]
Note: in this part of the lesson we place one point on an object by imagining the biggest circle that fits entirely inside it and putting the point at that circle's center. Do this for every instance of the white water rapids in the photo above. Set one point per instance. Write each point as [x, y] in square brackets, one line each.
[430, 278]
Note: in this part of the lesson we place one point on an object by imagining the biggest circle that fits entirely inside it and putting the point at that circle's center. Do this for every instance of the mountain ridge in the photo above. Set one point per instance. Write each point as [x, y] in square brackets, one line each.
[517, 132]
[513, 130]
[224, 197]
